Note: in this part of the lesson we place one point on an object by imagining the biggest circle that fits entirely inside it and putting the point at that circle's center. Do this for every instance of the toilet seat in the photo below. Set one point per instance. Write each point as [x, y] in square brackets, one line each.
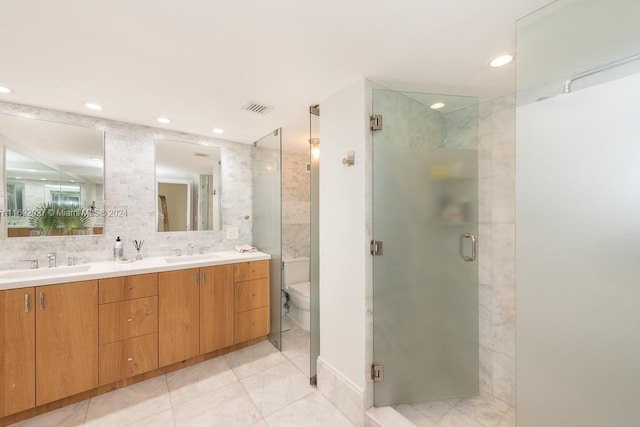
[302, 289]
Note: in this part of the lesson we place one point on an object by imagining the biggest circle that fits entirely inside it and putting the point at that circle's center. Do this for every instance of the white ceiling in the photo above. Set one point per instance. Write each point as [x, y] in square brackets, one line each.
[198, 62]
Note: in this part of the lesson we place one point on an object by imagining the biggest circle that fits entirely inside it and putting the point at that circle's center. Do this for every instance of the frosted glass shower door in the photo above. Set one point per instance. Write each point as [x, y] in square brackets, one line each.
[425, 281]
[266, 174]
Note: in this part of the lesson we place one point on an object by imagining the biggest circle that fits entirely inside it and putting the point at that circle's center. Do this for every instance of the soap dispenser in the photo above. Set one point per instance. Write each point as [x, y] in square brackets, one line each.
[117, 249]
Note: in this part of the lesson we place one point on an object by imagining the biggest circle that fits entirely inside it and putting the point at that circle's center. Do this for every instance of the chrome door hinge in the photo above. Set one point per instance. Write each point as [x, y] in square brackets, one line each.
[375, 247]
[375, 121]
[377, 373]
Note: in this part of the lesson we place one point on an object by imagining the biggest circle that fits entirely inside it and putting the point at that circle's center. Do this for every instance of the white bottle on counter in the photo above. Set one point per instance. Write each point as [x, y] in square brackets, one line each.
[117, 250]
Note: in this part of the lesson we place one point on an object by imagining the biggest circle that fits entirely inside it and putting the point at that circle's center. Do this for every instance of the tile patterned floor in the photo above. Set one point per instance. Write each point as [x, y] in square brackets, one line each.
[475, 412]
[256, 386]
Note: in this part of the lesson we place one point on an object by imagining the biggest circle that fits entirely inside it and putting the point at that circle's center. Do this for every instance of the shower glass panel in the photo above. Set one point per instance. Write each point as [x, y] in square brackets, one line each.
[425, 287]
[578, 215]
[267, 218]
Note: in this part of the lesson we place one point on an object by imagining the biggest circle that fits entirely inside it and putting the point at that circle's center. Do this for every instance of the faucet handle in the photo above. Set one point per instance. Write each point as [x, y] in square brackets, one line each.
[34, 263]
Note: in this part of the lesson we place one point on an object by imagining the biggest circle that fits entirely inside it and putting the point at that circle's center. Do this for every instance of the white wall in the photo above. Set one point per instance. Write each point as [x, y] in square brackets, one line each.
[343, 237]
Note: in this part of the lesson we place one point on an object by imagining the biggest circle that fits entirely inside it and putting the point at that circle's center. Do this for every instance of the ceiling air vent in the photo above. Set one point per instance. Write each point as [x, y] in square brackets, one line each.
[256, 107]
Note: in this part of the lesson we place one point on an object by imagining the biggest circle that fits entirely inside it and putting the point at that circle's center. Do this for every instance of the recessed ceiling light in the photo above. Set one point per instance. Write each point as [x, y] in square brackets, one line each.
[218, 131]
[437, 105]
[93, 106]
[163, 120]
[501, 60]
[4, 89]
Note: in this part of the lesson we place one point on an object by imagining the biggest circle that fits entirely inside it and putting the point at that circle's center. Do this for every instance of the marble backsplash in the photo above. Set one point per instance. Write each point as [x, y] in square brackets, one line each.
[129, 172]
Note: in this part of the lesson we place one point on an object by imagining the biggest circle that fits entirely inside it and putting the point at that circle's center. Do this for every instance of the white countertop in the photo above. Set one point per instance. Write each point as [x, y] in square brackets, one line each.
[14, 279]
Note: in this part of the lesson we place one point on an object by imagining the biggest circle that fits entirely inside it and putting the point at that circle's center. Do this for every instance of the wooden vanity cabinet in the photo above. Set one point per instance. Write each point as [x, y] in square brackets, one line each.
[18, 351]
[179, 319]
[251, 300]
[196, 312]
[128, 331]
[66, 340]
[216, 308]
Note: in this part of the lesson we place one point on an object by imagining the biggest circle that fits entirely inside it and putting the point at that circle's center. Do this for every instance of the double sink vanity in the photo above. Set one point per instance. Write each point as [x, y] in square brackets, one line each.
[69, 333]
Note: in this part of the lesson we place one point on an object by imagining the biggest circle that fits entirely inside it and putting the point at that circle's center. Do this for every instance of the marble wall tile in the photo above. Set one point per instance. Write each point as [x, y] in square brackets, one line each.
[503, 373]
[296, 205]
[496, 258]
[130, 185]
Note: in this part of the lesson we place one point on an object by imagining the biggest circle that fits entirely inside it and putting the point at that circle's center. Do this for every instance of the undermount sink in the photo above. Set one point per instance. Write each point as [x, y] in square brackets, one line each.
[187, 258]
[44, 272]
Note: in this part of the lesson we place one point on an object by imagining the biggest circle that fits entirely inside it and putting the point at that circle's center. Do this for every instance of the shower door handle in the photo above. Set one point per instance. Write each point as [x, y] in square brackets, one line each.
[473, 247]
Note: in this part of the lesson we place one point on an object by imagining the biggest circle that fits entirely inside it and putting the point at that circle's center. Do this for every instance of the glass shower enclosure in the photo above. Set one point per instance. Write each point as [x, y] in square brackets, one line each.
[266, 182]
[425, 280]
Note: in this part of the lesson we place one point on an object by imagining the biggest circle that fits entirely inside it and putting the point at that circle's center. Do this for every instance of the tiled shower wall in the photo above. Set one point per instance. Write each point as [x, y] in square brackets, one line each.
[496, 250]
[296, 204]
[130, 185]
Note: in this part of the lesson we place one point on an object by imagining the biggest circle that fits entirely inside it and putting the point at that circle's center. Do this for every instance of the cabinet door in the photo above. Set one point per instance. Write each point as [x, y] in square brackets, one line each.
[66, 340]
[178, 320]
[17, 342]
[216, 308]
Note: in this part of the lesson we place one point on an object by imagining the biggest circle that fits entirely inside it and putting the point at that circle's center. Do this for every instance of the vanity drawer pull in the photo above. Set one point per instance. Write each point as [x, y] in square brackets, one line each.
[26, 303]
[130, 359]
[129, 319]
[130, 288]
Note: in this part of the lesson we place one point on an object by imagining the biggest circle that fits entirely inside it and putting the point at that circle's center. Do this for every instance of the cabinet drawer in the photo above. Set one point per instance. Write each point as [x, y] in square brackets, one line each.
[127, 287]
[251, 294]
[250, 270]
[128, 319]
[124, 359]
[251, 324]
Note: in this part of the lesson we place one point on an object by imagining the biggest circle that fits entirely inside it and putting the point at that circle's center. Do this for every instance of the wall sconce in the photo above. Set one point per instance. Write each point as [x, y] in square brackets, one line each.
[315, 148]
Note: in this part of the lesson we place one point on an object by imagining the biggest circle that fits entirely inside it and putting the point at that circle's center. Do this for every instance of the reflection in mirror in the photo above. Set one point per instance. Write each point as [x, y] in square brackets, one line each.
[54, 178]
[189, 186]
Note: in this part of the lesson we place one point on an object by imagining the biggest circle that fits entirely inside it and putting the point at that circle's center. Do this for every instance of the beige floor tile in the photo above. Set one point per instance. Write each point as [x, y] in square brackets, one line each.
[162, 419]
[312, 411]
[130, 404]
[277, 387]
[196, 380]
[229, 406]
[69, 416]
[254, 359]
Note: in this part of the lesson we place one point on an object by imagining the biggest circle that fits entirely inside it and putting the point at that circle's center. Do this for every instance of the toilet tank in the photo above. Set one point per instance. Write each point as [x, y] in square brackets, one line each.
[296, 270]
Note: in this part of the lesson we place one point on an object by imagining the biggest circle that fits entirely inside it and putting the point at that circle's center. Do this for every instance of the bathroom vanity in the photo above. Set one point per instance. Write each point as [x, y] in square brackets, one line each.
[70, 333]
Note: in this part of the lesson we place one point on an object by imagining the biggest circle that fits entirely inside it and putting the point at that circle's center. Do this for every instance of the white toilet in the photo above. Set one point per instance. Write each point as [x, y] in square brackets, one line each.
[296, 284]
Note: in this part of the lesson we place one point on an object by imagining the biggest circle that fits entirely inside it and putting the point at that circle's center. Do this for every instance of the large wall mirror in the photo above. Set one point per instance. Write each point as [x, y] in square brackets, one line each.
[54, 180]
[188, 186]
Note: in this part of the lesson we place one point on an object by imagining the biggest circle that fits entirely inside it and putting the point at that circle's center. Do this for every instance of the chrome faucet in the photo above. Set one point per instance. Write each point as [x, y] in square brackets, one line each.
[190, 249]
[52, 259]
[34, 263]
